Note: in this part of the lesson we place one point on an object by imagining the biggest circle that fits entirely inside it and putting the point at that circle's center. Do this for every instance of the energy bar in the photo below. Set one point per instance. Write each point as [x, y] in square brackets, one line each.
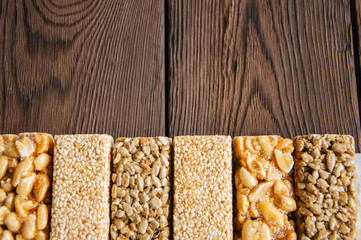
[325, 187]
[203, 187]
[264, 188]
[81, 187]
[141, 186]
[25, 172]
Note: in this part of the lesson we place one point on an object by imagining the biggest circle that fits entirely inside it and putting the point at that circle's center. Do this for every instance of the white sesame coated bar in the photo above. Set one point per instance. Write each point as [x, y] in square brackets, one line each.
[81, 187]
[264, 188]
[325, 187]
[203, 187]
[141, 185]
[25, 171]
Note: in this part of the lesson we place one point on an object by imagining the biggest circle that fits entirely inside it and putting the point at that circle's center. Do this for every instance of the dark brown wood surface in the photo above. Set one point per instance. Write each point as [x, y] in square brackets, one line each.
[356, 29]
[145, 68]
[82, 67]
[262, 67]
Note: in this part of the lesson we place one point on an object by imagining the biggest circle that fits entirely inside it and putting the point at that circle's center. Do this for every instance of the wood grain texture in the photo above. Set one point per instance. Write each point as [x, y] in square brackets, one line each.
[356, 32]
[82, 67]
[261, 67]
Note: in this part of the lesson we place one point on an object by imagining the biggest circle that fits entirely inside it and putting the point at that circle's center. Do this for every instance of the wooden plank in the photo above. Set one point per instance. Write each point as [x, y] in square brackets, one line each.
[261, 67]
[356, 33]
[82, 67]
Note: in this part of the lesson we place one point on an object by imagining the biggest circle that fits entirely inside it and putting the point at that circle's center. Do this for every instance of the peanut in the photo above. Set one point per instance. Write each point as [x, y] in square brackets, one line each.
[2, 195]
[271, 213]
[286, 203]
[12, 222]
[246, 178]
[258, 191]
[4, 162]
[11, 151]
[29, 227]
[20, 210]
[41, 186]
[41, 236]
[42, 219]
[9, 202]
[24, 167]
[46, 141]
[25, 147]
[4, 211]
[284, 160]
[26, 184]
[42, 161]
[7, 235]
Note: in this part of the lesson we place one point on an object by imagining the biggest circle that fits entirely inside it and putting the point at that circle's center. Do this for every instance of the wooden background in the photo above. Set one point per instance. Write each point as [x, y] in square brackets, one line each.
[145, 68]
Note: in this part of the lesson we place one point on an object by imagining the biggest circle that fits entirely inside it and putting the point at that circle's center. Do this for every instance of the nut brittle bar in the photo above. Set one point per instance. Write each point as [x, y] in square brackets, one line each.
[264, 188]
[203, 187]
[81, 187]
[140, 192]
[325, 187]
[25, 172]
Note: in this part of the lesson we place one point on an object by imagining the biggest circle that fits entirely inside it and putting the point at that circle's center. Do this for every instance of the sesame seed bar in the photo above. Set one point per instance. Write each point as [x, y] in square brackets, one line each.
[81, 187]
[140, 192]
[203, 187]
[325, 187]
[264, 188]
[25, 171]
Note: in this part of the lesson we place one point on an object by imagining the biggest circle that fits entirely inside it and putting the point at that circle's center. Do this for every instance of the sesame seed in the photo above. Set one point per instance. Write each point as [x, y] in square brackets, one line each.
[81, 187]
[202, 187]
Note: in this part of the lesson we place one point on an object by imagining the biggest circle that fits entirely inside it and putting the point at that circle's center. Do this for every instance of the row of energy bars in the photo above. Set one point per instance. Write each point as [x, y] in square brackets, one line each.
[135, 187]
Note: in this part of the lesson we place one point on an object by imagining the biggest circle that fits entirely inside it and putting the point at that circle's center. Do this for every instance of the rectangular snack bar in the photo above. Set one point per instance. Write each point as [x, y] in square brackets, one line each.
[203, 187]
[25, 172]
[141, 185]
[264, 188]
[325, 187]
[81, 187]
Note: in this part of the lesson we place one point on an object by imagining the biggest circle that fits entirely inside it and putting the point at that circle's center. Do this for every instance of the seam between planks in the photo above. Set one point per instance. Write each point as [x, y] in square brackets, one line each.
[166, 66]
[356, 52]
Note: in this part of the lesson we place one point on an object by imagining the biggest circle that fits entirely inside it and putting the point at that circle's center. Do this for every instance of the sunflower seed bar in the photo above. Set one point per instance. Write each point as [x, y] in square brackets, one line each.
[141, 186]
[203, 187]
[325, 187]
[81, 187]
[25, 171]
[264, 188]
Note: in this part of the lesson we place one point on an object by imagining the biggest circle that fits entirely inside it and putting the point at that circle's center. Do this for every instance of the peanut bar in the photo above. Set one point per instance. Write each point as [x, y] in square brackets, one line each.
[264, 188]
[25, 171]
